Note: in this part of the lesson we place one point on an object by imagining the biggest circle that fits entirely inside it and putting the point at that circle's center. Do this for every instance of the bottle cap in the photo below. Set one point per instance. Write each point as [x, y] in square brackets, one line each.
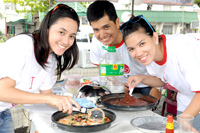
[111, 49]
[170, 119]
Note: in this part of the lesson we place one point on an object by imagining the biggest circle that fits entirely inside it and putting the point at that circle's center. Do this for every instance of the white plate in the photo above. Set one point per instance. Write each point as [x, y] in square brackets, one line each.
[151, 123]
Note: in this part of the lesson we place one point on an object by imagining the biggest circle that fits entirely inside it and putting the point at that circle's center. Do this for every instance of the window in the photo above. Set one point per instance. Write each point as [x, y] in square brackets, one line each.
[167, 8]
[84, 20]
[82, 37]
[11, 29]
[7, 7]
[167, 29]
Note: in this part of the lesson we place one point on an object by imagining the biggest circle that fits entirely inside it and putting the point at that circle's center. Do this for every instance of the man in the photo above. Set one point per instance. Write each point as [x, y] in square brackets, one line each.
[103, 18]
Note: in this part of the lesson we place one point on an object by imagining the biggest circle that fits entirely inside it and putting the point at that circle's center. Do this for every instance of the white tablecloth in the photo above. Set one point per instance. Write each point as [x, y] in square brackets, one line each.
[41, 119]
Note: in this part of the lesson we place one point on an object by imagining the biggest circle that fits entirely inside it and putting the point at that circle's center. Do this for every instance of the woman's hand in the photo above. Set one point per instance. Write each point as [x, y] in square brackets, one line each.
[136, 79]
[63, 103]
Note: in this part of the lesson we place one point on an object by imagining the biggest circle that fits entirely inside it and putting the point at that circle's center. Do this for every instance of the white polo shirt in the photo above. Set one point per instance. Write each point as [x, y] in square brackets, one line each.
[18, 62]
[180, 68]
[131, 66]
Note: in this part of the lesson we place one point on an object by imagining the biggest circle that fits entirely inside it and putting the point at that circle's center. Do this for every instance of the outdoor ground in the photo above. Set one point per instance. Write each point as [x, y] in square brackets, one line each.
[160, 106]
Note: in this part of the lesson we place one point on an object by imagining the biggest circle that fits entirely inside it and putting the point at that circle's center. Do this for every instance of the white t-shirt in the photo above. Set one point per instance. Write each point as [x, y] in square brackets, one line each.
[180, 68]
[18, 62]
[132, 67]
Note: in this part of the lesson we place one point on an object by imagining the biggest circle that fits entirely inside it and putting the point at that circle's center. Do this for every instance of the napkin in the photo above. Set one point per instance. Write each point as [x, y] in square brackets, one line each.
[85, 103]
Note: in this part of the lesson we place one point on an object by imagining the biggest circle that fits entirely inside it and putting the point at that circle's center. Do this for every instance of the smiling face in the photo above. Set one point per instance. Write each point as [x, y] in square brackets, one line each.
[62, 35]
[142, 46]
[106, 31]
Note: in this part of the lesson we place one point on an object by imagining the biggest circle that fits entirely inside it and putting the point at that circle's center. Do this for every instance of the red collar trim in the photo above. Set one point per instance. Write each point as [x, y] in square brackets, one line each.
[165, 51]
[95, 64]
[121, 43]
[196, 91]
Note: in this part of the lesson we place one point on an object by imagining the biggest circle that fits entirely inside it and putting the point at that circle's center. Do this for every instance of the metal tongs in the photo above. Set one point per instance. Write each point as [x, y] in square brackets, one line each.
[83, 110]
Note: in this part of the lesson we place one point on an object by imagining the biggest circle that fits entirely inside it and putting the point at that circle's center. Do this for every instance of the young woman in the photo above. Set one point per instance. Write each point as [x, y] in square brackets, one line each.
[29, 63]
[173, 60]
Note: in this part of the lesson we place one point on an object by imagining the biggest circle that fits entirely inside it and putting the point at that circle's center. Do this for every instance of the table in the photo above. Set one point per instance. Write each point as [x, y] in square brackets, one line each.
[40, 115]
[41, 120]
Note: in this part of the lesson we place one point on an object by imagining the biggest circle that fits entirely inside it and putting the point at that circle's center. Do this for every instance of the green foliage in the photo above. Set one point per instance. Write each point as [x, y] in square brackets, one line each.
[85, 4]
[2, 38]
[31, 6]
[1, 33]
[1, 15]
[197, 2]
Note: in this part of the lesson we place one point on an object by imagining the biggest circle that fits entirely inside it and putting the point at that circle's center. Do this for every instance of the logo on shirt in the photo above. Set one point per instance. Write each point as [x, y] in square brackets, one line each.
[32, 82]
[126, 69]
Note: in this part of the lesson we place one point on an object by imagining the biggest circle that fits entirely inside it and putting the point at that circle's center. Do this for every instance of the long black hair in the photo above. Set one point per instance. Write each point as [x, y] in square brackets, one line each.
[41, 43]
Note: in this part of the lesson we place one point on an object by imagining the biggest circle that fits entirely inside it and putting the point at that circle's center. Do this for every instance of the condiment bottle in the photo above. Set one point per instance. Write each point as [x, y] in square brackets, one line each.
[169, 125]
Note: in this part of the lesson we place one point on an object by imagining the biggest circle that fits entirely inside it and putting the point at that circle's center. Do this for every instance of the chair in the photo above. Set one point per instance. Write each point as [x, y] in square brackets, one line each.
[171, 102]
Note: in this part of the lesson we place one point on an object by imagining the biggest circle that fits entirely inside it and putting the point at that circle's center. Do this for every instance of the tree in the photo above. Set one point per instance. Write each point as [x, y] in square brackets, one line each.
[197, 2]
[85, 4]
[32, 6]
[1, 15]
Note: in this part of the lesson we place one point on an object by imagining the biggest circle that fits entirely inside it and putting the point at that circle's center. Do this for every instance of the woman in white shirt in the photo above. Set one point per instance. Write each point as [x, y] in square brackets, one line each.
[173, 60]
[29, 63]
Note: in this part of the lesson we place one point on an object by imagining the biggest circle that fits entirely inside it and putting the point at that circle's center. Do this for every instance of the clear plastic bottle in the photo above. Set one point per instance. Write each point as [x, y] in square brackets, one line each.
[111, 71]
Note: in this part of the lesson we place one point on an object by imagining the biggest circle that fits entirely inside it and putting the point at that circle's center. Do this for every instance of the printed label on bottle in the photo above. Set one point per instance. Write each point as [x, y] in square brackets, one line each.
[111, 69]
[169, 126]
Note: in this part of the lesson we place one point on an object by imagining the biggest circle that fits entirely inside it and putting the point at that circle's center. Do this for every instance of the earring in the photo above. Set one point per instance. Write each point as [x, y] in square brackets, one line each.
[156, 43]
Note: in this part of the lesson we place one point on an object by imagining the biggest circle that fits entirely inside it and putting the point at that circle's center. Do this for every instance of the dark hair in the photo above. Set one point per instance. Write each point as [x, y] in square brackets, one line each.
[41, 43]
[133, 27]
[98, 9]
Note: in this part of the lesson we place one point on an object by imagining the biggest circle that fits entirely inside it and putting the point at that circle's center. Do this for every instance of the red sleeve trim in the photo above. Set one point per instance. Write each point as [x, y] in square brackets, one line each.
[165, 51]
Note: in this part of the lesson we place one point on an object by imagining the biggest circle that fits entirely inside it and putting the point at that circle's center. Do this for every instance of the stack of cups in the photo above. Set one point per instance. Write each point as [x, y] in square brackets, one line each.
[72, 83]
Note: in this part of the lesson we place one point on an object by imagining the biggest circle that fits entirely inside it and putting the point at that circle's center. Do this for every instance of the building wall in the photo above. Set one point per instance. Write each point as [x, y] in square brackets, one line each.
[2, 27]
[18, 28]
[2, 20]
[177, 27]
